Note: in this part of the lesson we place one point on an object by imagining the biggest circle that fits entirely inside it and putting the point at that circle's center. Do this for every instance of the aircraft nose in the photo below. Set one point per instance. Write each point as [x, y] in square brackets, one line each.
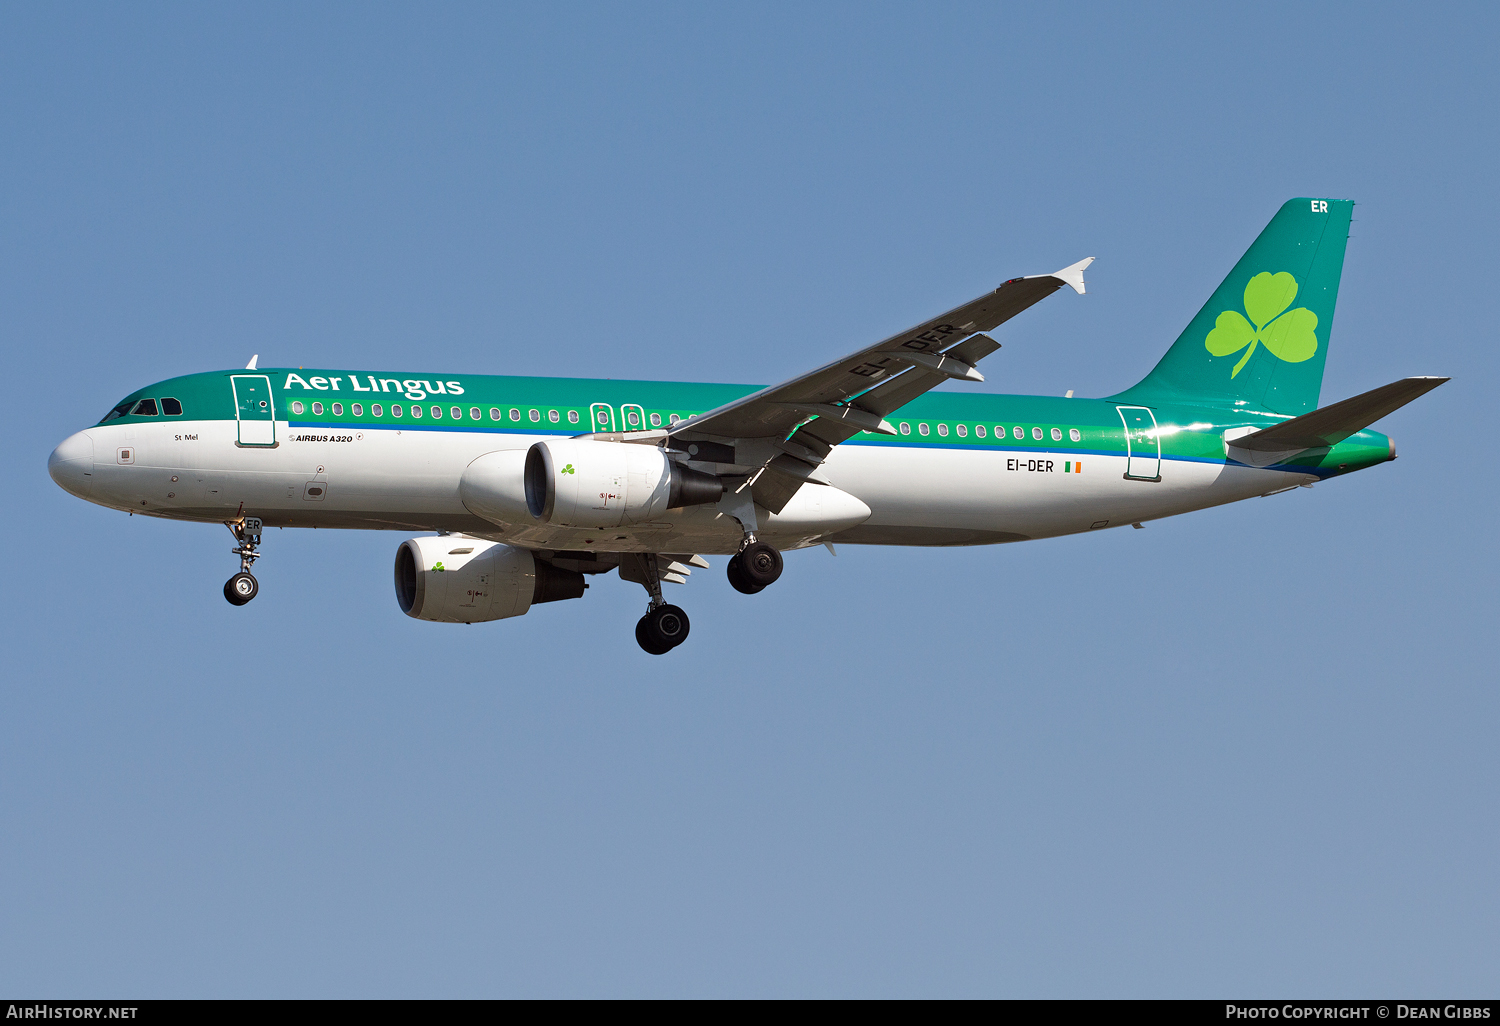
[72, 464]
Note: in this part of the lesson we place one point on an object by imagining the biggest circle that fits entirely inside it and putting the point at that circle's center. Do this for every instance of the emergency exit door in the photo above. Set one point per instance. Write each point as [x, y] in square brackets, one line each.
[602, 417]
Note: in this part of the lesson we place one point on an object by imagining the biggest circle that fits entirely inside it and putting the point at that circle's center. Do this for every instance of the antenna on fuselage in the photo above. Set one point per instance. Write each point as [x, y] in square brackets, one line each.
[251, 364]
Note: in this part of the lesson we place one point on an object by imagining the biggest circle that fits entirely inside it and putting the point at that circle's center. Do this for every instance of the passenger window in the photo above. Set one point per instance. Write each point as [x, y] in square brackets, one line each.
[395, 410]
[923, 429]
[1075, 434]
[1019, 432]
[943, 430]
[416, 411]
[146, 408]
[297, 407]
[494, 413]
[375, 410]
[338, 409]
[963, 432]
[535, 416]
[979, 430]
[552, 416]
[437, 413]
[171, 407]
[1056, 435]
[317, 409]
[474, 413]
[572, 416]
[656, 420]
[515, 414]
[633, 419]
[456, 413]
[1036, 433]
[357, 409]
[672, 420]
[905, 428]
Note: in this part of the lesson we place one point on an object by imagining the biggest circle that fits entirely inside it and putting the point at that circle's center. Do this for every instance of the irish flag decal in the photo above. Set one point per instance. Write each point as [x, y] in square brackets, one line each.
[1073, 468]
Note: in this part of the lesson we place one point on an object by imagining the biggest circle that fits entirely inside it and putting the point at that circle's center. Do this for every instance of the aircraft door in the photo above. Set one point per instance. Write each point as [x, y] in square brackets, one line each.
[633, 418]
[254, 409]
[602, 417]
[1142, 444]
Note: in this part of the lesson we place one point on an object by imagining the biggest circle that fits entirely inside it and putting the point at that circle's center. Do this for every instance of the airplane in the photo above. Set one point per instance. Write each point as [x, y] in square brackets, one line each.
[534, 485]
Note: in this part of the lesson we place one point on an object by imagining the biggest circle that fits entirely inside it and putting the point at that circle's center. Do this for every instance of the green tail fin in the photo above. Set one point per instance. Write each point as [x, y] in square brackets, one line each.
[1262, 338]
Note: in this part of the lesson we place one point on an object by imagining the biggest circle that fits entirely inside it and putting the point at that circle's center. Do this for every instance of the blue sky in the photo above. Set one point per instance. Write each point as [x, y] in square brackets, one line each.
[1248, 751]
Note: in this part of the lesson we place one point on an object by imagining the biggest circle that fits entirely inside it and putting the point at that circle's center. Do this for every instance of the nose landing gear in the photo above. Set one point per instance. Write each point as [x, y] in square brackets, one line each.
[243, 586]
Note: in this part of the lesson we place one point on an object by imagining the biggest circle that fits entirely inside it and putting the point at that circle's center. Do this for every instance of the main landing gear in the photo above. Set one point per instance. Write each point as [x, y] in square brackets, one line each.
[243, 586]
[664, 626]
[756, 566]
[662, 629]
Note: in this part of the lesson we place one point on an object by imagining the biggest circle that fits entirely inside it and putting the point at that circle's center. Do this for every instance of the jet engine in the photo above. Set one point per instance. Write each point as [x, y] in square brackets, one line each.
[453, 579]
[575, 482]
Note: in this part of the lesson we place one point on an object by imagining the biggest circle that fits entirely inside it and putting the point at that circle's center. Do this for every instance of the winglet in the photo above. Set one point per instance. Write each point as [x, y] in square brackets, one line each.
[251, 364]
[1071, 275]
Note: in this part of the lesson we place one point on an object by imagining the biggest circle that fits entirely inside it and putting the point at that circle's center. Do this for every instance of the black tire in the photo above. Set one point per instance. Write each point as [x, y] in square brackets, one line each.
[739, 581]
[241, 588]
[644, 639]
[760, 563]
[667, 625]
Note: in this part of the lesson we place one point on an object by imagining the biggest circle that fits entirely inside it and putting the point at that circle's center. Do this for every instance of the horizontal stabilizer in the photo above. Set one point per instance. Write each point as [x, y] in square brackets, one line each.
[1333, 424]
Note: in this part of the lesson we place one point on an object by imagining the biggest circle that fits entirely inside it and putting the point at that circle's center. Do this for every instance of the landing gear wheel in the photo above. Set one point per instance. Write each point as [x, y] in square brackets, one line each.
[667, 625]
[241, 588]
[662, 629]
[644, 639]
[739, 581]
[760, 564]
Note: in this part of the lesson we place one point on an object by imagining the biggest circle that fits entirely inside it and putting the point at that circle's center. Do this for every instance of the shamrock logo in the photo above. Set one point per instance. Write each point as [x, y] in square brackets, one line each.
[569, 469]
[438, 566]
[1288, 334]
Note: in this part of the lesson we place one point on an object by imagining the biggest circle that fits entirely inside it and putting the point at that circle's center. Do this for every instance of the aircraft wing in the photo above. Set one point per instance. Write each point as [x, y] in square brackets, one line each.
[798, 422]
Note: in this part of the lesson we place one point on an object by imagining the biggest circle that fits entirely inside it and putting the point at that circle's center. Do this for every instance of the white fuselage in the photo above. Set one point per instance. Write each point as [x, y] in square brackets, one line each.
[387, 478]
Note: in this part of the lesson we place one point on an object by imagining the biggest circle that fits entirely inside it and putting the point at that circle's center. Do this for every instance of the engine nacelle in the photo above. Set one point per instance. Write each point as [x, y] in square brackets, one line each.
[494, 487]
[575, 482]
[453, 579]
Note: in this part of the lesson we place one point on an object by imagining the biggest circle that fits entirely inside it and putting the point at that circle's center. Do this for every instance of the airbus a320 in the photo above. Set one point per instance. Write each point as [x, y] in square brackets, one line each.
[535, 485]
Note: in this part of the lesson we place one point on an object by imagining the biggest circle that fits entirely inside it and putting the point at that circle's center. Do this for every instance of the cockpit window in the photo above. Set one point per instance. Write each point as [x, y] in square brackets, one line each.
[118, 412]
[145, 408]
[171, 407]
